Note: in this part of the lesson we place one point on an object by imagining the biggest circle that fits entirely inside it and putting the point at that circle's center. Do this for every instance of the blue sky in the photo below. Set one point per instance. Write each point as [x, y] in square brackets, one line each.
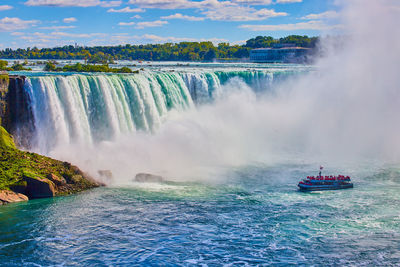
[49, 23]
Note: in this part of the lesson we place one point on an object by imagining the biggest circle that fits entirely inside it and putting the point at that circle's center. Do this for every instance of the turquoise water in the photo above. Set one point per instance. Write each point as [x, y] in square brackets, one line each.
[189, 123]
[255, 216]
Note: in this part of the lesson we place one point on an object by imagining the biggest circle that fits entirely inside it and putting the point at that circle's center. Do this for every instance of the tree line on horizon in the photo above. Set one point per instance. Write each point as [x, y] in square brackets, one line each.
[183, 51]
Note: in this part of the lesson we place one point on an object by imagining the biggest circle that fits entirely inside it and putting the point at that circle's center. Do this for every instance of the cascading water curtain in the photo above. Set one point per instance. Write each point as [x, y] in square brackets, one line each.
[90, 108]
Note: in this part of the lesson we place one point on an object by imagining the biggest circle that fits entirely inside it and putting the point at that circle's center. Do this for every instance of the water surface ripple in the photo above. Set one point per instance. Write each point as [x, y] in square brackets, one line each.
[256, 217]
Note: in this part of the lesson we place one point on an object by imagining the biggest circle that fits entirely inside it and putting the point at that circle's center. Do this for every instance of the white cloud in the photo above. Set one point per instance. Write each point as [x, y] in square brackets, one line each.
[57, 27]
[325, 15]
[58, 38]
[126, 10]
[111, 3]
[228, 10]
[310, 25]
[150, 38]
[70, 20]
[186, 4]
[146, 24]
[124, 38]
[5, 7]
[76, 3]
[166, 4]
[76, 35]
[12, 24]
[136, 17]
[57, 35]
[126, 23]
[288, 1]
[184, 17]
[17, 33]
[240, 13]
[253, 2]
[53, 39]
[160, 39]
[38, 35]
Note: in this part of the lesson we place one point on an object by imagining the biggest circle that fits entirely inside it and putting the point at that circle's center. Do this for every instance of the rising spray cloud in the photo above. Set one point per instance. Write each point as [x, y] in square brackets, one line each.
[345, 110]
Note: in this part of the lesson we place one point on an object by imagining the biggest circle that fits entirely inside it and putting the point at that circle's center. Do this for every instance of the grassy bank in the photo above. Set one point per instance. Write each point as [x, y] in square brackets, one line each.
[17, 165]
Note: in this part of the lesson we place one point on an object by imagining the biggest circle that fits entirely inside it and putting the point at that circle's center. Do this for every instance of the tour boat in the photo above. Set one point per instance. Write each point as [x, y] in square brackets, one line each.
[320, 182]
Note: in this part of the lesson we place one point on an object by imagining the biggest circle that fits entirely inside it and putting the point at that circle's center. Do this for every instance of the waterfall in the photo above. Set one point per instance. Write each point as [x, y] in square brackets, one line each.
[88, 108]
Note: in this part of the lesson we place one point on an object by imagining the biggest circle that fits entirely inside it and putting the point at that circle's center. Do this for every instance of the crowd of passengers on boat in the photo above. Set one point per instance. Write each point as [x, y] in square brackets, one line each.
[332, 178]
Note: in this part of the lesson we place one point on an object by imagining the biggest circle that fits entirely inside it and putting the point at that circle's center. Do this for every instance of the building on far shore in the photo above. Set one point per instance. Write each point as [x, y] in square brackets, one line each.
[280, 53]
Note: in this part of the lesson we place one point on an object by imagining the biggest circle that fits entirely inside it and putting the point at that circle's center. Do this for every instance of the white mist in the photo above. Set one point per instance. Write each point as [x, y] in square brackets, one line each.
[346, 111]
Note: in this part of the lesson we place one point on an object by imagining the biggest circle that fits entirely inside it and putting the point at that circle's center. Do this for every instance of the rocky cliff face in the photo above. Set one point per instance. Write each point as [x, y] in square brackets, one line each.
[4, 81]
[15, 112]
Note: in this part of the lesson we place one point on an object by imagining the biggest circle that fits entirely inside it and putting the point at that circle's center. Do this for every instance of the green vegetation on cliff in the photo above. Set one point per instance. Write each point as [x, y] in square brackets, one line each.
[18, 168]
[6, 140]
[4, 78]
[183, 51]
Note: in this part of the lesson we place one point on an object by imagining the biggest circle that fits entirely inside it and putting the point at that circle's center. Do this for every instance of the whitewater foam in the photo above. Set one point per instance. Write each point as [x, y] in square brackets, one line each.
[187, 124]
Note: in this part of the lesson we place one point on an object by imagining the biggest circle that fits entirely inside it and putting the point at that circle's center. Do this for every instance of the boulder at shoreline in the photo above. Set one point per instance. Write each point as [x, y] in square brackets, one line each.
[8, 196]
[148, 178]
[30, 175]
